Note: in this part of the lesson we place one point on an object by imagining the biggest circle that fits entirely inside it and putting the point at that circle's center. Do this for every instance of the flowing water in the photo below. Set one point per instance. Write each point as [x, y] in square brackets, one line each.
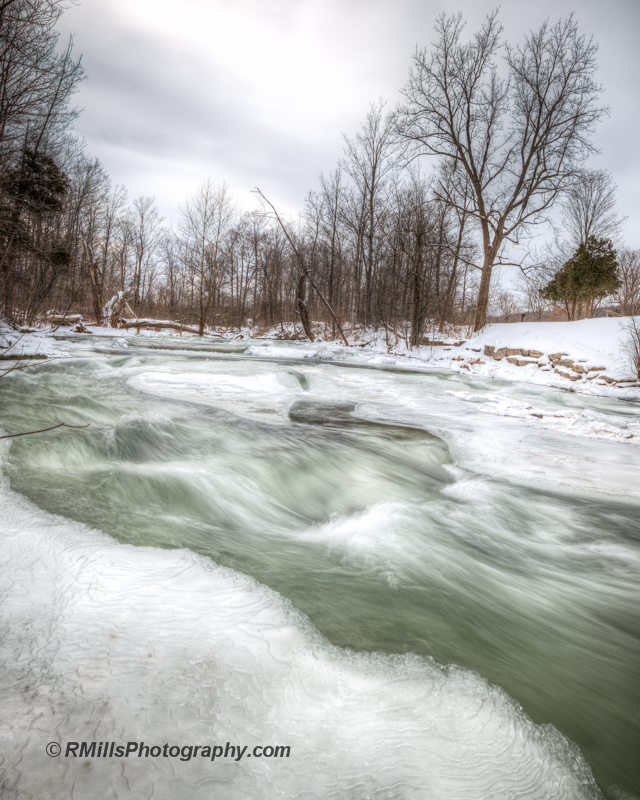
[422, 597]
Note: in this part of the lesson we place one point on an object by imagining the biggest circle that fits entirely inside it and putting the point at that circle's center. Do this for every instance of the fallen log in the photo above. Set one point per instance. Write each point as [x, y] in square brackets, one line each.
[161, 324]
[64, 319]
[21, 357]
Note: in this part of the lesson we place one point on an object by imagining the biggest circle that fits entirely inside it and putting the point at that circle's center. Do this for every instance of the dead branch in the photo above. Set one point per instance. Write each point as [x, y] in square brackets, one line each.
[303, 266]
[44, 430]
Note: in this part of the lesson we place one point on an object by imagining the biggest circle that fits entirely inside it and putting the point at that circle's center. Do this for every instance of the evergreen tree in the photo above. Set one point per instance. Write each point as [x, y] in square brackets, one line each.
[586, 278]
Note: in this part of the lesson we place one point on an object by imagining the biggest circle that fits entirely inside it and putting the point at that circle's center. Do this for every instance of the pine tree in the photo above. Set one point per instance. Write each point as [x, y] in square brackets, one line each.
[586, 278]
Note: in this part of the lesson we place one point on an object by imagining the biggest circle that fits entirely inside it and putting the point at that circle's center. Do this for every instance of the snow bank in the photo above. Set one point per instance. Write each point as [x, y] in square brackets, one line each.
[587, 355]
[34, 345]
[584, 356]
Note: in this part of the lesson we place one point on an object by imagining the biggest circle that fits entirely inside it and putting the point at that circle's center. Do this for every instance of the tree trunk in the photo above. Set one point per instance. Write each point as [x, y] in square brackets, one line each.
[304, 311]
[483, 296]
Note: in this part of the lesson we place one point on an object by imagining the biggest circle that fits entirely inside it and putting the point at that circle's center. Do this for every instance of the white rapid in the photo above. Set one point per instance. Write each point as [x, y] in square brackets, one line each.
[421, 596]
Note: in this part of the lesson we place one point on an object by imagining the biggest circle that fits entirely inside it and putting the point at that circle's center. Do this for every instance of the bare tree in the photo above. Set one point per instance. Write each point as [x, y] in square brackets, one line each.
[204, 228]
[146, 229]
[529, 285]
[505, 305]
[36, 83]
[628, 295]
[519, 139]
[370, 157]
[306, 275]
[588, 207]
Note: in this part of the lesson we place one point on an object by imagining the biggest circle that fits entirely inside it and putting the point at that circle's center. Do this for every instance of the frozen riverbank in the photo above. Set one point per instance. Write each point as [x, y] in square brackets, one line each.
[587, 356]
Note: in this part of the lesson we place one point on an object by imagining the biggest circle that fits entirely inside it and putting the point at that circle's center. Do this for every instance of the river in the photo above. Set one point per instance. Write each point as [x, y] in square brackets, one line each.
[421, 594]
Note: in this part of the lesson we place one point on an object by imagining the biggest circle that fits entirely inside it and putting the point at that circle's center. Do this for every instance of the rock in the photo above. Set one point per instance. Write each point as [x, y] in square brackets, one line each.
[556, 356]
[524, 362]
[594, 369]
[578, 368]
[607, 379]
[540, 416]
[535, 354]
[488, 350]
[566, 375]
[438, 343]
[566, 362]
[515, 352]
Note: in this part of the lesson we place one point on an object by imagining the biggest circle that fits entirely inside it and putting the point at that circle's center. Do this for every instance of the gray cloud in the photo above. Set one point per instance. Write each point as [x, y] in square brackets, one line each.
[258, 93]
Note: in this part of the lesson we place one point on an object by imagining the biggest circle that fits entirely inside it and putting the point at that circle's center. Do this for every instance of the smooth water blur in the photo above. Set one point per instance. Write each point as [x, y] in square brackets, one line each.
[333, 485]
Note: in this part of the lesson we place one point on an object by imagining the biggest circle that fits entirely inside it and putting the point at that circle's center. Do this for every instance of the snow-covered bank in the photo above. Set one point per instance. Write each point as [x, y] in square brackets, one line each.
[587, 355]
[37, 345]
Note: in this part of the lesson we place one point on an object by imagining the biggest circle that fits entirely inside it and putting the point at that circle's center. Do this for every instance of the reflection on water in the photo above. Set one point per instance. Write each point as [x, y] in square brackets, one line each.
[367, 527]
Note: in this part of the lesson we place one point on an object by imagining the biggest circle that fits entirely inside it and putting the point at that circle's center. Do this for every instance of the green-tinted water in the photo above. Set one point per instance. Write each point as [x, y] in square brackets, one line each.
[372, 529]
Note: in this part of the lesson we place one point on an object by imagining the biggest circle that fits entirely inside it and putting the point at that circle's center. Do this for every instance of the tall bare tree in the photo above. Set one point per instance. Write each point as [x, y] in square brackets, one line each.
[589, 207]
[205, 231]
[146, 229]
[370, 158]
[628, 294]
[519, 134]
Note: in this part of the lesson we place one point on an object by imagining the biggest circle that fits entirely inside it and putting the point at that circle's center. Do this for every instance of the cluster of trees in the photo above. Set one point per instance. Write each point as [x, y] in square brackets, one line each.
[379, 242]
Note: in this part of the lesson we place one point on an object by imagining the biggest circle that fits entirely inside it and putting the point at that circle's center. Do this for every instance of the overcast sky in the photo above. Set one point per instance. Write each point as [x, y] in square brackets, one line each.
[258, 92]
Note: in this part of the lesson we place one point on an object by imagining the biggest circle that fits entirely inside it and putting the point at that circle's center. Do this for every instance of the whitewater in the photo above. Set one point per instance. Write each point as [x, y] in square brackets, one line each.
[424, 583]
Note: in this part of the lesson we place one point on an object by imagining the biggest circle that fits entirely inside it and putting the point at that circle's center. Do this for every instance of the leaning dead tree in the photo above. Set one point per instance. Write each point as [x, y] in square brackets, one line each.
[518, 140]
[302, 306]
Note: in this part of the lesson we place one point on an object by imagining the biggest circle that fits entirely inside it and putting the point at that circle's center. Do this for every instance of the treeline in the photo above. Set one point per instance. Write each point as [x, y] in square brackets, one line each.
[378, 243]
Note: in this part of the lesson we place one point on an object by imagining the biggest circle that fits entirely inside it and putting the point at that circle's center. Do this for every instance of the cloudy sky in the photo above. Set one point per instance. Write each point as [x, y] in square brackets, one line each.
[258, 92]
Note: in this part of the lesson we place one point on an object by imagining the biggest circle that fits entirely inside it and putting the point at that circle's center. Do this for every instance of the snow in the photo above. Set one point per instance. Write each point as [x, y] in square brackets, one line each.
[590, 343]
[26, 345]
[595, 345]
